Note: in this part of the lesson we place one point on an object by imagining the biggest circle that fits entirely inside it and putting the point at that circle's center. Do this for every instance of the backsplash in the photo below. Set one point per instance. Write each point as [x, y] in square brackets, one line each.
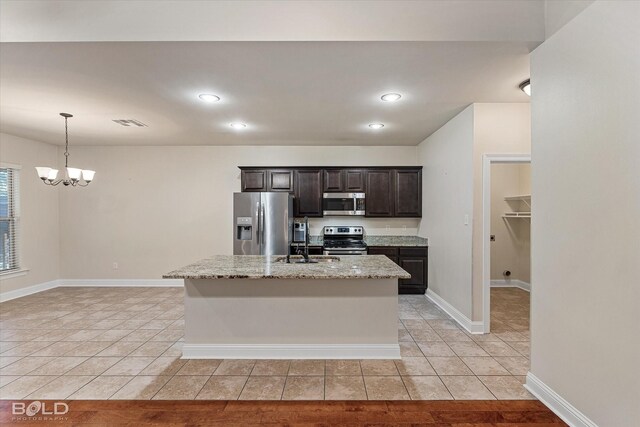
[372, 226]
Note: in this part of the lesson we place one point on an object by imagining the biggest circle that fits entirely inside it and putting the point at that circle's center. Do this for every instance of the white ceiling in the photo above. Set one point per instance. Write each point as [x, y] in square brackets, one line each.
[297, 72]
[288, 93]
[272, 20]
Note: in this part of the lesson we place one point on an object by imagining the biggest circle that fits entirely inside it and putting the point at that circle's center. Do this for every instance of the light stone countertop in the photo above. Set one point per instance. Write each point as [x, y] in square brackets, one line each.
[261, 267]
[382, 241]
[396, 241]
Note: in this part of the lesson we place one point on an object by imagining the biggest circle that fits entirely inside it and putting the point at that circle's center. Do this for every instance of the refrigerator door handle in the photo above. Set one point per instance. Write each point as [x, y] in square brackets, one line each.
[259, 228]
[262, 223]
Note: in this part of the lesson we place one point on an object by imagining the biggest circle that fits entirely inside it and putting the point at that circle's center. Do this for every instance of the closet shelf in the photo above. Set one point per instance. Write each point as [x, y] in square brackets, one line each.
[526, 199]
[517, 215]
[523, 198]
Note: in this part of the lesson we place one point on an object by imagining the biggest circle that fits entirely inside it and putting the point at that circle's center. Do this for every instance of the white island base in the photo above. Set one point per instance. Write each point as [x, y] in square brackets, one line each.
[291, 319]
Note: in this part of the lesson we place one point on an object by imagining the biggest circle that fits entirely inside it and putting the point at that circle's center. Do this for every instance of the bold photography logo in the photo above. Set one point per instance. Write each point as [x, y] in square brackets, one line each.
[39, 409]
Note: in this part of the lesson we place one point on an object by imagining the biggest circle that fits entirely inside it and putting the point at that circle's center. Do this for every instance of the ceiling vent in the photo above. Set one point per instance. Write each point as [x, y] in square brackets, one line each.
[130, 122]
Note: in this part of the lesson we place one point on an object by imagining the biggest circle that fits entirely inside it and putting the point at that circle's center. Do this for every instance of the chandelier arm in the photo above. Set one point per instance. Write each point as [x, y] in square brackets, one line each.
[52, 183]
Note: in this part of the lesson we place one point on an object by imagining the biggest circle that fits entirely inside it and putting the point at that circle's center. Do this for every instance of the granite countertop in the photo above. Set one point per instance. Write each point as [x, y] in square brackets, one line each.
[382, 241]
[261, 267]
[396, 241]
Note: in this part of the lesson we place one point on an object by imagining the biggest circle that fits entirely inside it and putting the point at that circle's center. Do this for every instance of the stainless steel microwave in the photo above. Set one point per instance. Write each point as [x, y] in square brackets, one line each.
[343, 204]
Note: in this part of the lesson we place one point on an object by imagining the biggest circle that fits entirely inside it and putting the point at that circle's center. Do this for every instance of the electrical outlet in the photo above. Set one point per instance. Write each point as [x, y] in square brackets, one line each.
[115, 265]
[492, 238]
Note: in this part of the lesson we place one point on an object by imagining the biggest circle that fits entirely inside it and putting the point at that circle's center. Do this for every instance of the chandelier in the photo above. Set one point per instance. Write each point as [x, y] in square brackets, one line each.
[74, 176]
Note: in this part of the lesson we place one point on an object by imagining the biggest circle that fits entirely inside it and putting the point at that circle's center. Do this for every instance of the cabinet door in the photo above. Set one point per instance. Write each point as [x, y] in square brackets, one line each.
[333, 180]
[408, 193]
[280, 180]
[354, 180]
[414, 261]
[308, 192]
[253, 180]
[389, 251]
[315, 250]
[379, 202]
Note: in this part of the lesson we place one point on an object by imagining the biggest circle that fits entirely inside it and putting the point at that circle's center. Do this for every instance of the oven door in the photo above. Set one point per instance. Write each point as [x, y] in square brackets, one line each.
[343, 204]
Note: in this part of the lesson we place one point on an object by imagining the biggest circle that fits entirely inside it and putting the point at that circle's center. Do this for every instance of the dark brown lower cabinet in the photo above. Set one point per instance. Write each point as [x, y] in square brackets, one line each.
[413, 260]
[313, 250]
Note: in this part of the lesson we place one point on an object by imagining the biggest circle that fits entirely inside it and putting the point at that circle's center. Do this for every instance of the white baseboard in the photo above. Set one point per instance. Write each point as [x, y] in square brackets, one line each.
[511, 284]
[475, 327]
[29, 290]
[34, 289]
[291, 351]
[565, 410]
[122, 282]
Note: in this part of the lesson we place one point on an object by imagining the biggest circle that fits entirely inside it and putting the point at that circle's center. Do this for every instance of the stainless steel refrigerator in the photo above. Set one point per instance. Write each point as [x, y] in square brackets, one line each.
[262, 223]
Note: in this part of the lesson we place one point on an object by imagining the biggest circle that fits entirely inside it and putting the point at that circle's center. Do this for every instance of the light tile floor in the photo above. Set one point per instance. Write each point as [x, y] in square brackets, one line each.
[124, 343]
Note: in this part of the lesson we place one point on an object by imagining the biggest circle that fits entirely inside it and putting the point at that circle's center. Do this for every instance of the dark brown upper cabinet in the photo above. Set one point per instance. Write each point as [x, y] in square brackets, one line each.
[390, 191]
[379, 197]
[333, 180]
[408, 193]
[344, 180]
[280, 180]
[354, 180]
[253, 180]
[308, 192]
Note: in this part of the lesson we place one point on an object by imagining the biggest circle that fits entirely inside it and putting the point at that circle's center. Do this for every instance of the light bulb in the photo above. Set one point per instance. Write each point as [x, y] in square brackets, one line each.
[43, 172]
[209, 97]
[87, 175]
[376, 125]
[74, 173]
[238, 125]
[391, 97]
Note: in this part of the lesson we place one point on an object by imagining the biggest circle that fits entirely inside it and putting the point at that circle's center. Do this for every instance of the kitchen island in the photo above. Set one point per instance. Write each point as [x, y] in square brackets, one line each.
[257, 307]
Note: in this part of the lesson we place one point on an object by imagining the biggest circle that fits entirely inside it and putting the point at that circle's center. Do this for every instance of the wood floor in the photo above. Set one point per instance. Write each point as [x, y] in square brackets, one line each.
[312, 413]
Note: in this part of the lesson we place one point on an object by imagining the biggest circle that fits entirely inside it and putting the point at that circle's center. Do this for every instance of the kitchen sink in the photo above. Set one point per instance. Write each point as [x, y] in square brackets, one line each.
[297, 259]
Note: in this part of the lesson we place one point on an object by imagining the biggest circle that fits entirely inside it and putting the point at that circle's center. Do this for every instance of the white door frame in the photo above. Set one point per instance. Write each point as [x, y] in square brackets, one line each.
[487, 161]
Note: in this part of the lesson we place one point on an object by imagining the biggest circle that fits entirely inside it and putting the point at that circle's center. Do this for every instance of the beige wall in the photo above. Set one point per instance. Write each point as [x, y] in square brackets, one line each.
[511, 249]
[497, 129]
[452, 188]
[39, 237]
[585, 234]
[447, 198]
[152, 209]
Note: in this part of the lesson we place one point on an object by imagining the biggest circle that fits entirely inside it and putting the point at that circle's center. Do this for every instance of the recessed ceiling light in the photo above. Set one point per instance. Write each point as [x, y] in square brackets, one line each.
[238, 125]
[391, 97]
[525, 86]
[209, 97]
[376, 125]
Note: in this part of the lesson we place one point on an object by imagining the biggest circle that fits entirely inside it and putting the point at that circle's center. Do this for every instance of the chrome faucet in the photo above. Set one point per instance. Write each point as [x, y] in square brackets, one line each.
[305, 253]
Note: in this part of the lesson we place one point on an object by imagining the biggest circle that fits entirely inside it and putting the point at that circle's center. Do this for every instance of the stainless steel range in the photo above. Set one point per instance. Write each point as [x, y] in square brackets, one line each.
[343, 240]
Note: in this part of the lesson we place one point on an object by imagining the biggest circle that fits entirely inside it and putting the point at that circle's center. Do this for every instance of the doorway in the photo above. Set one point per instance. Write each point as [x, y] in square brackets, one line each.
[507, 248]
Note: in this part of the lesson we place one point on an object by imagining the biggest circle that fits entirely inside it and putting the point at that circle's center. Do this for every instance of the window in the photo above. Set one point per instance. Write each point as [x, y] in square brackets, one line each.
[9, 219]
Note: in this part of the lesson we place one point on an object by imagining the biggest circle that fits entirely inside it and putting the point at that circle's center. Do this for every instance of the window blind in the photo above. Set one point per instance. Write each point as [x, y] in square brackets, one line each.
[9, 219]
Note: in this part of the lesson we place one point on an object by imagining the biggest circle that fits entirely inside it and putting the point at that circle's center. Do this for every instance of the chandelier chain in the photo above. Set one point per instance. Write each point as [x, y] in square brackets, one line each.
[66, 146]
